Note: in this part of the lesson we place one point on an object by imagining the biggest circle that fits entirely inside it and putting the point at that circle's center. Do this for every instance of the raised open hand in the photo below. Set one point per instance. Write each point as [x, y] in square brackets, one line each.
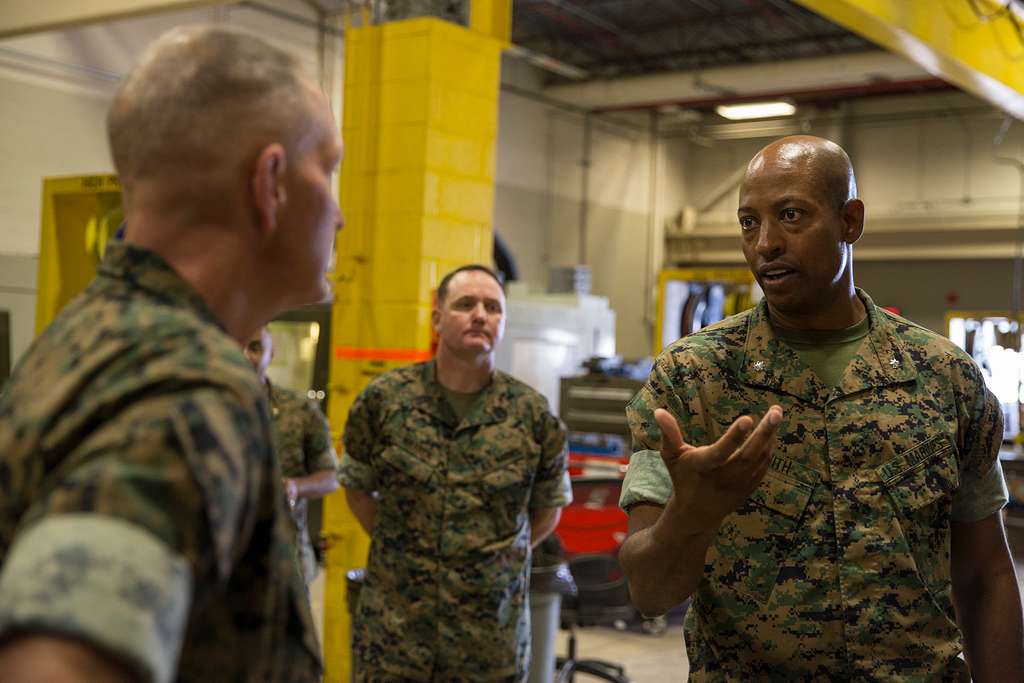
[711, 481]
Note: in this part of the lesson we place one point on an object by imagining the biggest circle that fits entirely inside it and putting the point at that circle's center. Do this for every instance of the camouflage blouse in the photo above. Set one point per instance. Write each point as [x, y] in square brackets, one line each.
[838, 565]
[141, 507]
[446, 586]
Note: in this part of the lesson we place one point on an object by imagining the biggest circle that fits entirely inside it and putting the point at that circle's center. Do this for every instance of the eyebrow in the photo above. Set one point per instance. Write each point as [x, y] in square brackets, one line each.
[473, 297]
[780, 202]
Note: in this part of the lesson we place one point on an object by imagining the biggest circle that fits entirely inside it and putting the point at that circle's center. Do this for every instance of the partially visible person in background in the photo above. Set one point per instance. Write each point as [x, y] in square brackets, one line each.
[302, 439]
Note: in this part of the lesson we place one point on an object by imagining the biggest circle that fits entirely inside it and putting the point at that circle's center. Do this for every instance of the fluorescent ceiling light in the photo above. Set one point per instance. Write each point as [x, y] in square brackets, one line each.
[755, 110]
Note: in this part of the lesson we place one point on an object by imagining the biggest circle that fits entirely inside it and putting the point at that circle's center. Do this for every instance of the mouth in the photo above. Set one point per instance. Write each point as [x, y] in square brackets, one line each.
[773, 275]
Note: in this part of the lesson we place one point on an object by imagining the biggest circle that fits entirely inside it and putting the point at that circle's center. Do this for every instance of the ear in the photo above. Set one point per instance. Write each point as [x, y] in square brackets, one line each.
[853, 220]
[268, 186]
[435, 320]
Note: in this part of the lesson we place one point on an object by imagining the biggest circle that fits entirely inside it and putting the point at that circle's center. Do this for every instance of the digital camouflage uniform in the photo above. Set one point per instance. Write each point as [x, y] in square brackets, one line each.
[445, 596]
[303, 443]
[838, 565]
[140, 504]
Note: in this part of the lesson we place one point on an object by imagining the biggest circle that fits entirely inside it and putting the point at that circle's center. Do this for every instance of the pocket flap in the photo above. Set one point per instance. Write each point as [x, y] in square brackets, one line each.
[405, 462]
[922, 474]
[787, 487]
[508, 473]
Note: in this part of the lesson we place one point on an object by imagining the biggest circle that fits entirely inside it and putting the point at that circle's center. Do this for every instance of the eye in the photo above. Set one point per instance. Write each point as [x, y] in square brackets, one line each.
[493, 307]
[748, 223]
[790, 215]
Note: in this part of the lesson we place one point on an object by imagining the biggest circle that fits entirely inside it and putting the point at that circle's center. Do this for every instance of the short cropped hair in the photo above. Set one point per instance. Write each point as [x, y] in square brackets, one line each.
[442, 289]
[197, 92]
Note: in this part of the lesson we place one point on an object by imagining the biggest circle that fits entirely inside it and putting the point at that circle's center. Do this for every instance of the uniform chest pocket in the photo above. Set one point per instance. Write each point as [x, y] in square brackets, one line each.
[920, 484]
[403, 467]
[509, 473]
[754, 542]
[503, 494]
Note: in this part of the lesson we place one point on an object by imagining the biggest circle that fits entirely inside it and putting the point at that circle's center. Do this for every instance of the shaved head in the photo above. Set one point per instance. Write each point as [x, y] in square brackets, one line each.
[823, 159]
[202, 101]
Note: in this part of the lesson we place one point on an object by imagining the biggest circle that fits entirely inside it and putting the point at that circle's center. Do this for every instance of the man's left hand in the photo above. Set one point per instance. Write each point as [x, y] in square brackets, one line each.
[291, 490]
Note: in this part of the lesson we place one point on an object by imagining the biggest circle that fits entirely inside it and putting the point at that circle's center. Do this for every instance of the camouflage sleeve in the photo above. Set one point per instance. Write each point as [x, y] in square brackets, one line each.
[982, 490]
[551, 486]
[647, 480]
[149, 504]
[102, 580]
[979, 421]
[358, 463]
[316, 442]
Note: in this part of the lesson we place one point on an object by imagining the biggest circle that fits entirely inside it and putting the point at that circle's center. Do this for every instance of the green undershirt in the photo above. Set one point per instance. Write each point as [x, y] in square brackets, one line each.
[827, 352]
[460, 402]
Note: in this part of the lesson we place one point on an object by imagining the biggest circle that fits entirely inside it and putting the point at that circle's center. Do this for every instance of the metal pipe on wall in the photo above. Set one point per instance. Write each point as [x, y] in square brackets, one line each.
[585, 187]
[653, 233]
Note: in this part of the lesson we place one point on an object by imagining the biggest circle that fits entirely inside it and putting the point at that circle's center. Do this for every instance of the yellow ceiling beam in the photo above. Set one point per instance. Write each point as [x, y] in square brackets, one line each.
[21, 17]
[973, 45]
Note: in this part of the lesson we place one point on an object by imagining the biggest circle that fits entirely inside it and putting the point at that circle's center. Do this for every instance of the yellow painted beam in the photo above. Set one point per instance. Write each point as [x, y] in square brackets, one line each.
[21, 17]
[981, 55]
[492, 18]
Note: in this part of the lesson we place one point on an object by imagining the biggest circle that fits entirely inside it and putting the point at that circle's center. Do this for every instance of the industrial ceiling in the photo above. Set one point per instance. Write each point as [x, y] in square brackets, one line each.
[608, 39]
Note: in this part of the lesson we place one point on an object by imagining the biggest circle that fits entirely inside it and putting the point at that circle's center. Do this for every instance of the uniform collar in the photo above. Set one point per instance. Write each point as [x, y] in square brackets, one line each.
[881, 359]
[492, 407]
[143, 269]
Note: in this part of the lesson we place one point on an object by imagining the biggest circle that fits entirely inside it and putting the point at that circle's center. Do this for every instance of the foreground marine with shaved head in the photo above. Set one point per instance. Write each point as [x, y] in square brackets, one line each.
[819, 475]
[143, 532]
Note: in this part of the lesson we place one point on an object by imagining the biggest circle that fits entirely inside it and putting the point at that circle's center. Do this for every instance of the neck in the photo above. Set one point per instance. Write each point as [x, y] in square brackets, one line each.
[466, 375]
[839, 314]
[215, 261]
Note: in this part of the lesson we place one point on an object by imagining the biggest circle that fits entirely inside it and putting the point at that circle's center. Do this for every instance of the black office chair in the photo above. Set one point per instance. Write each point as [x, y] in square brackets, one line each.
[602, 598]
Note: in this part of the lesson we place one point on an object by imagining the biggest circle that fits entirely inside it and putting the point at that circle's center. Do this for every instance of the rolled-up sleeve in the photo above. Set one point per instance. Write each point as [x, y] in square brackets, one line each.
[103, 580]
[647, 480]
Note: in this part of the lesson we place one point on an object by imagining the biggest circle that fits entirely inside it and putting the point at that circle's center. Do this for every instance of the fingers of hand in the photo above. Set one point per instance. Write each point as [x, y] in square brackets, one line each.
[671, 437]
[733, 437]
[759, 444]
[715, 455]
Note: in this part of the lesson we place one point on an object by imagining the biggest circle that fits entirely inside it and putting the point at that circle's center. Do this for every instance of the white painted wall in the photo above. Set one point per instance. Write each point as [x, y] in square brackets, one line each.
[538, 200]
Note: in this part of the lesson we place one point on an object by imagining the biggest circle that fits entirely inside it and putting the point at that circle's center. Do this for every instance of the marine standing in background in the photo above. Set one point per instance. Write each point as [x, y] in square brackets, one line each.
[456, 470]
[303, 445]
[143, 534]
[855, 533]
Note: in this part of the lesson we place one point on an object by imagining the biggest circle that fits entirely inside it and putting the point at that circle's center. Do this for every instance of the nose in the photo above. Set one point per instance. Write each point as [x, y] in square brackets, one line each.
[770, 240]
[480, 311]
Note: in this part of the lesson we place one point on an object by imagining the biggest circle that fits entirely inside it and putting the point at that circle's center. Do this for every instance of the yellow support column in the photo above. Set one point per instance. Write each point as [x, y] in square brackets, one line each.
[417, 188]
[979, 50]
